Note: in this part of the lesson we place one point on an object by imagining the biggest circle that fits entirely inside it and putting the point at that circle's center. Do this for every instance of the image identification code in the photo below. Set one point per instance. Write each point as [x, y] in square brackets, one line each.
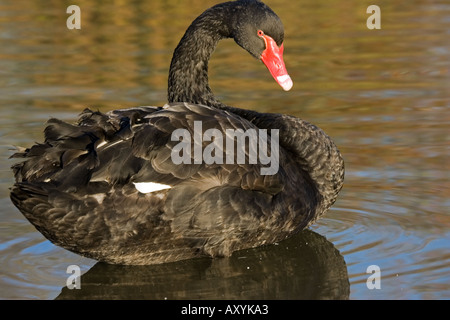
[231, 309]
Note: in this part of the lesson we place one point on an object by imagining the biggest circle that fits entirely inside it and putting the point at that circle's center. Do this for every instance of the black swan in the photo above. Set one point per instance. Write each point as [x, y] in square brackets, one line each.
[150, 185]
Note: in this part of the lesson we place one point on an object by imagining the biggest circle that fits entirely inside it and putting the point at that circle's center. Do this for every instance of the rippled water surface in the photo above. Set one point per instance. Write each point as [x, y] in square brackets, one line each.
[383, 95]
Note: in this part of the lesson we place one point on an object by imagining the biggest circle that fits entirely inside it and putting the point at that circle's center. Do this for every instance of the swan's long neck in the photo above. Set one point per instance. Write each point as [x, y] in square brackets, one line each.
[188, 74]
[313, 150]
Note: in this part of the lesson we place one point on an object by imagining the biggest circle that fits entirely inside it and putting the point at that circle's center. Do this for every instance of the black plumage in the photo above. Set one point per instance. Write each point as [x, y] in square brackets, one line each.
[79, 187]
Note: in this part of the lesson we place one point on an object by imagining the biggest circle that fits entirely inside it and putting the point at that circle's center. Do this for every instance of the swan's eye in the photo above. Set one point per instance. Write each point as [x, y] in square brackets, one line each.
[260, 33]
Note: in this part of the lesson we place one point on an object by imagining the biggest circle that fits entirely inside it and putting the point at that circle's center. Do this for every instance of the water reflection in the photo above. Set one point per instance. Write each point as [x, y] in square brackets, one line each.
[306, 266]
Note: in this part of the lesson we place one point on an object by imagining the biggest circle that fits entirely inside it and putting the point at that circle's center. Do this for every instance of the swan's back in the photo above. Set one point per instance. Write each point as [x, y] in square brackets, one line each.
[81, 189]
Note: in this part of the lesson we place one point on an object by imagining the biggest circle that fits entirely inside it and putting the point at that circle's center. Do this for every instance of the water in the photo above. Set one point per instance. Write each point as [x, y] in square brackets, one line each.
[383, 95]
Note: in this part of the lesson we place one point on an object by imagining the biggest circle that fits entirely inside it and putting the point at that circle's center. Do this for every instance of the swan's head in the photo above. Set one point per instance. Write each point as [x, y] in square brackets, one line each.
[259, 30]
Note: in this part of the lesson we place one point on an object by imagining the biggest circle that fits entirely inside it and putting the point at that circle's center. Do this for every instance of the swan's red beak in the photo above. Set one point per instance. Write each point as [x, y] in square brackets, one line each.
[272, 57]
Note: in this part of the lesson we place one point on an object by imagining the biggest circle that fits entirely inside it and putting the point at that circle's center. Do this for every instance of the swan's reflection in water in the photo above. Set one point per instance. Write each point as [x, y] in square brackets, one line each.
[306, 266]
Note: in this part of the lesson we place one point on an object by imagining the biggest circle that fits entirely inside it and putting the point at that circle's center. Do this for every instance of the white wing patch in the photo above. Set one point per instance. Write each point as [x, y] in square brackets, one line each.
[148, 187]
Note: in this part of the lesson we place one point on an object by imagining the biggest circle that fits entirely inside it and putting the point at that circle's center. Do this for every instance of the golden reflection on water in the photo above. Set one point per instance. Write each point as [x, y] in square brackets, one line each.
[381, 94]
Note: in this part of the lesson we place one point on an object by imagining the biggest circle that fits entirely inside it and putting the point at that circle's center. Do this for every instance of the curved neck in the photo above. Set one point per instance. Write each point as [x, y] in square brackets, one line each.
[188, 74]
[314, 152]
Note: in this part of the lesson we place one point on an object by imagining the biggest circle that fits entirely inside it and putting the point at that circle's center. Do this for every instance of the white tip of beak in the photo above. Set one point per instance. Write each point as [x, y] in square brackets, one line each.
[285, 82]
